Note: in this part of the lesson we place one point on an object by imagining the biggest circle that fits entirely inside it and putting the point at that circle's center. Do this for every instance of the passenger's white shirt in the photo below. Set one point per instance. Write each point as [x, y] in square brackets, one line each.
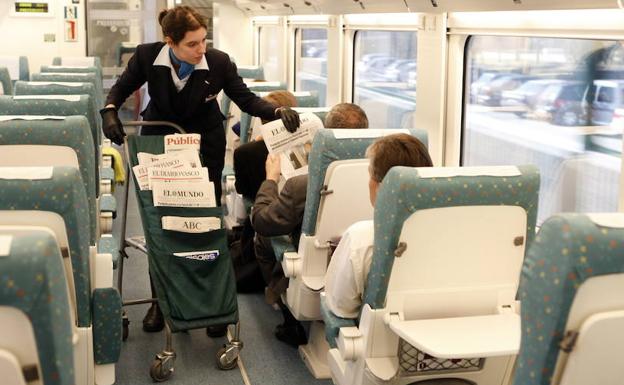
[348, 270]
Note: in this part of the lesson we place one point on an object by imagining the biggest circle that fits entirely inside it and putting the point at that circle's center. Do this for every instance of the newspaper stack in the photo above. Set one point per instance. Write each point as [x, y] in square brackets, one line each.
[294, 147]
[176, 177]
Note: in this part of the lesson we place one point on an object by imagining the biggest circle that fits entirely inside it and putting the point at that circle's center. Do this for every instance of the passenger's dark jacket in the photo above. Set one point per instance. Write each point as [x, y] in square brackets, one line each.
[195, 107]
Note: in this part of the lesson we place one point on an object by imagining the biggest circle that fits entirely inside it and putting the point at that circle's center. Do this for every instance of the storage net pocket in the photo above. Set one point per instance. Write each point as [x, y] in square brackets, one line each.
[413, 361]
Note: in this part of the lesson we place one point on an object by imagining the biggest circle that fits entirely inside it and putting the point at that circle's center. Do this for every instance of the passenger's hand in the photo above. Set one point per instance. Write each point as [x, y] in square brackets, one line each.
[272, 167]
[111, 125]
[289, 117]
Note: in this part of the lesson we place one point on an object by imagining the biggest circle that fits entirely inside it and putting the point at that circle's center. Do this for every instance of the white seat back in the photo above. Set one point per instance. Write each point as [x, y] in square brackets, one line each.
[18, 348]
[459, 261]
[346, 199]
[35, 155]
[596, 320]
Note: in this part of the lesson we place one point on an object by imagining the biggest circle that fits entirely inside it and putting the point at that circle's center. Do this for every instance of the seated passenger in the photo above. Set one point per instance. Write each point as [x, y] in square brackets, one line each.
[249, 169]
[276, 214]
[347, 272]
[249, 158]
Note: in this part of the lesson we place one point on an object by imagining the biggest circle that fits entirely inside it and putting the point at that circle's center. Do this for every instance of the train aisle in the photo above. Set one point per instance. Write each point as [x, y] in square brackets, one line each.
[265, 359]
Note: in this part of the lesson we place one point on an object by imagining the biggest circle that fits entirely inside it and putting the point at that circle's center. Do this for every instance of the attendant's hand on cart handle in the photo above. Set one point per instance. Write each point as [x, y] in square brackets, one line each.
[289, 117]
[111, 125]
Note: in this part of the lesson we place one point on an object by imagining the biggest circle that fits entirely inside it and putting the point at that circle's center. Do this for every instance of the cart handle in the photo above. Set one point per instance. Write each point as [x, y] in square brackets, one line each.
[139, 123]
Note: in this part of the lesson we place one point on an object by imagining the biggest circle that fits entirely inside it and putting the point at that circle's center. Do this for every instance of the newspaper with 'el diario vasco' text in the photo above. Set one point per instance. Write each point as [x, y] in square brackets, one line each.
[176, 177]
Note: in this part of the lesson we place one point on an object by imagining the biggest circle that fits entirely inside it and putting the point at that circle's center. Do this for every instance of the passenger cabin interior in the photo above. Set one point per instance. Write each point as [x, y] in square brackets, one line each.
[502, 264]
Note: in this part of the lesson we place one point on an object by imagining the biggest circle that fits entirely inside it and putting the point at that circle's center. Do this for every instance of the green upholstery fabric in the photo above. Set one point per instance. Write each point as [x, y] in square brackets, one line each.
[59, 107]
[403, 192]
[40, 88]
[121, 49]
[108, 203]
[109, 245]
[250, 72]
[568, 250]
[107, 325]
[107, 173]
[325, 150]
[18, 67]
[5, 81]
[311, 100]
[75, 61]
[65, 195]
[226, 104]
[72, 132]
[32, 280]
[24, 71]
[191, 293]
[321, 112]
[333, 324]
[281, 245]
[72, 69]
[86, 77]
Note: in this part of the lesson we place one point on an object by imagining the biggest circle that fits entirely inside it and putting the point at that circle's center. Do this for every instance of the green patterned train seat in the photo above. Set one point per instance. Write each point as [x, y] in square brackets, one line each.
[34, 304]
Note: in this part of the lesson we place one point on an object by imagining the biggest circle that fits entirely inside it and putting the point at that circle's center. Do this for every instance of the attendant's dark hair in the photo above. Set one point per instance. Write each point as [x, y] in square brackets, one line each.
[177, 21]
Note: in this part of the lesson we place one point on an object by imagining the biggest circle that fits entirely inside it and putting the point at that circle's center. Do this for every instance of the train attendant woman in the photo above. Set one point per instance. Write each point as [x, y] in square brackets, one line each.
[184, 79]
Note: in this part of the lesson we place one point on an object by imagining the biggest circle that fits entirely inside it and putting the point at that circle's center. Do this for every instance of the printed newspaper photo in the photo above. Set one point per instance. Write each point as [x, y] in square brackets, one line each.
[293, 148]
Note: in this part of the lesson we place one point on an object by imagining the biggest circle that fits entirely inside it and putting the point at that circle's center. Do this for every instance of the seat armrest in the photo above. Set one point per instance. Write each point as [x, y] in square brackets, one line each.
[292, 264]
[462, 337]
[107, 325]
[108, 245]
[282, 245]
[350, 343]
[108, 204]
[107, 177]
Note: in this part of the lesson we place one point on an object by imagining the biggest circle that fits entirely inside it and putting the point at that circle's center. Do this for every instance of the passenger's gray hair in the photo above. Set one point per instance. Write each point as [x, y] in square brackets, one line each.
[346, 115]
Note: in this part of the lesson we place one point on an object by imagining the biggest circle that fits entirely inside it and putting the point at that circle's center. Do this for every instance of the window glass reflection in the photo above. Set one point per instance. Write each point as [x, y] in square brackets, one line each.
[555, 103]
[271, 48]
[385, 77]
[311, 62]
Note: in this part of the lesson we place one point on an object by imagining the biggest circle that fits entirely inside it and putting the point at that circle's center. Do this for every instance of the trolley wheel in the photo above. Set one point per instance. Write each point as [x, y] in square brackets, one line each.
[125, 322]
[223, 362]
[162, 368]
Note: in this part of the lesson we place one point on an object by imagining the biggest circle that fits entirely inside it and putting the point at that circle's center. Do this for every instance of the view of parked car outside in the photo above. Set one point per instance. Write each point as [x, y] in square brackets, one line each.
[556, 103]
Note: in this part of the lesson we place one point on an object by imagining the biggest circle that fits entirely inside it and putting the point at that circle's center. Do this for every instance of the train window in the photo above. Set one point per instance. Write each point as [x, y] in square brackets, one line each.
[271, 49]
[385, 77]
[552, 102]
[311, 61]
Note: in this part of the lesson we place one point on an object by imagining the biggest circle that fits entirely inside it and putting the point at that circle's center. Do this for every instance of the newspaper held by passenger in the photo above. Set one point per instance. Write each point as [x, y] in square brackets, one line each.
[293, 148]
[182, 142]
[184, 194]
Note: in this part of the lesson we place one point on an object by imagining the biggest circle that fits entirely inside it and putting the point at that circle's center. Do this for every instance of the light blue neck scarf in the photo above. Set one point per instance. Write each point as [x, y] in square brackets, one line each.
[184, 68]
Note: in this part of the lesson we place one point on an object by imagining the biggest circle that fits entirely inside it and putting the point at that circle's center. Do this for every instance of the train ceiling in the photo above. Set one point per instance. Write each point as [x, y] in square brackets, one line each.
[294, 7]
